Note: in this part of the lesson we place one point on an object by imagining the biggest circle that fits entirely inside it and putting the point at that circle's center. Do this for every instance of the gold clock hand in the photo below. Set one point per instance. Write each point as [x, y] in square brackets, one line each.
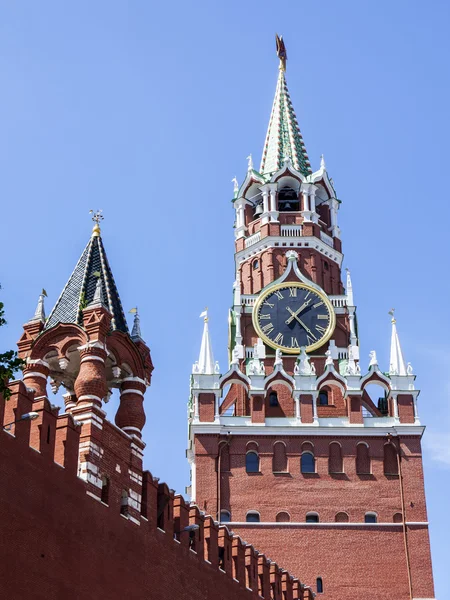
[294, 316]
[302, 307]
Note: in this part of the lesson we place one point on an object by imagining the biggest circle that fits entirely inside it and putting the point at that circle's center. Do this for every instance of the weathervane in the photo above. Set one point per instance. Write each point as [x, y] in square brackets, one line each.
[281, 52]
[96, 217]
[391, 312]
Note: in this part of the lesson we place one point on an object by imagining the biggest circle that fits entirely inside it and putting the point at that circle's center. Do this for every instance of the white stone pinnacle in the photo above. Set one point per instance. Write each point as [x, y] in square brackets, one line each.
[349, 290]
[206, 361]
[397, 362]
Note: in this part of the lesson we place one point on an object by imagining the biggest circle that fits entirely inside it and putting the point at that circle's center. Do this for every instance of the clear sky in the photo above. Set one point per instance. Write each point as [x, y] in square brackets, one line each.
[148, 109]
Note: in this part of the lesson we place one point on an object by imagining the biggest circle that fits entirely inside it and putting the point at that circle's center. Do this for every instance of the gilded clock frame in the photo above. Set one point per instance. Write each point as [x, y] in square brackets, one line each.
[298, 284]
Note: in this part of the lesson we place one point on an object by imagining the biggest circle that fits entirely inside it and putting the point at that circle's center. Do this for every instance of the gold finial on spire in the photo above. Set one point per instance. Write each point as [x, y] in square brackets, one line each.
[96, 217]
[205, 315]
[281, 52]
[393, 319]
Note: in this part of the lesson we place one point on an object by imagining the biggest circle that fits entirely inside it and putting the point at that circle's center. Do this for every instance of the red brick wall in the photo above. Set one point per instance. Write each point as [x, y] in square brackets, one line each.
[58, 542]
[366, 562]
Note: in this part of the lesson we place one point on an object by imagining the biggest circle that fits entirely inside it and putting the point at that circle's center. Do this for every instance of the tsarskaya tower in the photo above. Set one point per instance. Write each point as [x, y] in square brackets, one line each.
[290, 446]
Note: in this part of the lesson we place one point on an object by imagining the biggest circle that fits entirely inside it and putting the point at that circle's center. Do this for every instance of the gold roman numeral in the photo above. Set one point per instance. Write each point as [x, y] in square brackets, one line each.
[292, 292]
[264, 317]
[320, 329]
[267, 328]
[323, 317]
[279, 339]
[294, 343]
[279, 295]
[317, 304]
[267, 303]
[310, 339]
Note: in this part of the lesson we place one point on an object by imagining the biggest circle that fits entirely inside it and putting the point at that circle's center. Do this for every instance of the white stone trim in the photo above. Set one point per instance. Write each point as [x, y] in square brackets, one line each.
[34, 374]
[92, 357]
[289, 243]
[294, 427]
[138, 379]
[38, 361]
[131, 391]
[131, 429]
[330, 524]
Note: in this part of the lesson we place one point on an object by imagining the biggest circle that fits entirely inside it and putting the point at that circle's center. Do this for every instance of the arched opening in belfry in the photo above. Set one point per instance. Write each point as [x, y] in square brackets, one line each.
[288, 200]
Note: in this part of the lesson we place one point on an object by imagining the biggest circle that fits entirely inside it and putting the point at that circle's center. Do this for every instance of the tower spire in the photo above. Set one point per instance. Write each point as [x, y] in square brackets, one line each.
[397, 362]
[39, 313]
[91, 281]
[283, 137]
[206, 357]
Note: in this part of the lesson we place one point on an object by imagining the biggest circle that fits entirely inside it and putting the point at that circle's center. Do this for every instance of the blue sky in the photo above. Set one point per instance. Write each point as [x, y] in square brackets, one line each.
[147, 110]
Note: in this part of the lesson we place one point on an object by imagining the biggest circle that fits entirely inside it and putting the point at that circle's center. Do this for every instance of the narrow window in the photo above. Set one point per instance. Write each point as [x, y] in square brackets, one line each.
[225, 516]
[341, 517]
[362, 459]
[221, 550]
[390, 460]
[279, 460]
[370, 517]
[335, 462]
[323, 398]
[252, 516]
[48, 434]
[283, 517]
[312, 517]
[124, 503]
[308, 463]
[255, 264]
[252, 462]
[325, 265]
[105, 490]
[273, 399]
[319, 585]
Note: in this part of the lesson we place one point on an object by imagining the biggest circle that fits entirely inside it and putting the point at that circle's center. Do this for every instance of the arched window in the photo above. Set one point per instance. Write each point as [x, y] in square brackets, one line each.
[256, 264]
[390, 460]
[398, 517]
[341, 517]
[225, 516]
[283, 517]
[105, 490]
[370, 517]
[288, 200]
[273, 399]
[335, 462]
[319, 584]
[252, 462]
[252, 516]
[362, 459]
[312, 517]
[279, 460]
[124, 503]
[323, 398]
[308, 464]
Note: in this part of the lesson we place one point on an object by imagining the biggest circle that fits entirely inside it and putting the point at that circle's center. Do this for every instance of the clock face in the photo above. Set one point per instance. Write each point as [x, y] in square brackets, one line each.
[290, 315]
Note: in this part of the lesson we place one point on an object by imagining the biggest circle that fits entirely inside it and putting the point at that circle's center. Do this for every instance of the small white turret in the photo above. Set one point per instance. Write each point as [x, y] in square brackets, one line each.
[397, 364]
[206, 364]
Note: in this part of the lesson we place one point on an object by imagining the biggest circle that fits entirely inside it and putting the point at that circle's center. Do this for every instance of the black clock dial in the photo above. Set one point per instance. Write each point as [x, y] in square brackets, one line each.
[294, 315]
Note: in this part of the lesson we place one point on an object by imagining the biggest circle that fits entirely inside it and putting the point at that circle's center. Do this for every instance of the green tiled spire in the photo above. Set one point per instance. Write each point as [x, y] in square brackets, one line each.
[283, 135]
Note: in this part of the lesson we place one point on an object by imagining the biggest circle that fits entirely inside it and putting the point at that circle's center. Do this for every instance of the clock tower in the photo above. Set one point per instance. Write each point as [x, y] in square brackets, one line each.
[290, 446]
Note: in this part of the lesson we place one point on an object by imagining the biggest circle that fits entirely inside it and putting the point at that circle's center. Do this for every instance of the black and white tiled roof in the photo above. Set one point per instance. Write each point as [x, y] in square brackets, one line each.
[80, 289]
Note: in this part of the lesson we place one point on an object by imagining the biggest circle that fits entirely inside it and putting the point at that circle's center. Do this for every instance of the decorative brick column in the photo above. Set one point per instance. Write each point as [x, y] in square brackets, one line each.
[35, 376]
[90, 385]
[130, 415]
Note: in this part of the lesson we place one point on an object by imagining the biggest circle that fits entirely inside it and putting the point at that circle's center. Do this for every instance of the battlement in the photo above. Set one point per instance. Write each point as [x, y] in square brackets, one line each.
[98, 486]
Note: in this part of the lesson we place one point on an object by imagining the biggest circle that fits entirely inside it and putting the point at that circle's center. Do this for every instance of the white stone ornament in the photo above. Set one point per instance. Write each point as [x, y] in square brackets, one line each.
[313, 369]
[302, 364]
[329, 361]
[278, 357]
[409, 369]
[196, 367]
[235, 357]
[373, 359]
[357, 369]
[235, 185]
[250, 162]
[63, 363]
[116, 372]
[55, 385]
[216, 368]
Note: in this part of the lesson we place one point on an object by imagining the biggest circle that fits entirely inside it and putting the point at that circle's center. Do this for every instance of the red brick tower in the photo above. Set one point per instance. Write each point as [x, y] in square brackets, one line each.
[287, 446]
[85, 347]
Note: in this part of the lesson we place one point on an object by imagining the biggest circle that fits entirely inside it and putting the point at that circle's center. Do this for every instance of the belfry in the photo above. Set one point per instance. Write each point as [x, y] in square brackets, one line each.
[289, 445]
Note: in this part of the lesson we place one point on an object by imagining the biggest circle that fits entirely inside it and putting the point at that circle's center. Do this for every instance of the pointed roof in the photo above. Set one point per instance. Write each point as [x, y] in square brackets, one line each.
[397, 362]
[206, 357]
[90, 282]
[283, 135]
[39, 313]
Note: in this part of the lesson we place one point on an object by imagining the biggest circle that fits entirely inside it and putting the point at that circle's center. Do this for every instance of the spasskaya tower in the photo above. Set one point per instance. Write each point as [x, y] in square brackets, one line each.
[290, 447]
